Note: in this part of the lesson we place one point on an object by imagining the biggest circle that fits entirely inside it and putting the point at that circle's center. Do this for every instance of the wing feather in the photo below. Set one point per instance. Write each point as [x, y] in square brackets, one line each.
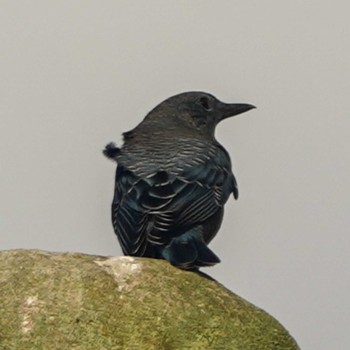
[163, 205]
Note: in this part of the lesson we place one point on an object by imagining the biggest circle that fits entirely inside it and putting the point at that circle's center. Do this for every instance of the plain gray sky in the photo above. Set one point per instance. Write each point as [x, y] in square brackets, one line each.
[76, 74]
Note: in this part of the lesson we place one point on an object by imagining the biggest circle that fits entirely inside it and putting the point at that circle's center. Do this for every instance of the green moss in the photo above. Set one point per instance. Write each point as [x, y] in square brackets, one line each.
[75, 301]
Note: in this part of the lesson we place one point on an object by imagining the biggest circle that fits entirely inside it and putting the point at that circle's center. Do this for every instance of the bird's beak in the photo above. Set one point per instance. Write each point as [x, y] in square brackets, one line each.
[231, 109]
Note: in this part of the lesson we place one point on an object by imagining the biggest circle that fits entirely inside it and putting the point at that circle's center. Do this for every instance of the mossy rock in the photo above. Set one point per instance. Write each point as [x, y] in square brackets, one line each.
[76, 301]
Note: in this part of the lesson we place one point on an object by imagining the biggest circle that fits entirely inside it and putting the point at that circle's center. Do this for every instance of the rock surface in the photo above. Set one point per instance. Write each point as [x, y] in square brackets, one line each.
[76, 301]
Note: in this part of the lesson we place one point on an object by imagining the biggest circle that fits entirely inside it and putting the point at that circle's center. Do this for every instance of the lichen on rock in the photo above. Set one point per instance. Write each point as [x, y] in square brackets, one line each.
[76, 301]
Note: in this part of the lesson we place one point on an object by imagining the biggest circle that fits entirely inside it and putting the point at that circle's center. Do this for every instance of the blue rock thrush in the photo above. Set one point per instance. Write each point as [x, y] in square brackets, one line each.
[172, 181]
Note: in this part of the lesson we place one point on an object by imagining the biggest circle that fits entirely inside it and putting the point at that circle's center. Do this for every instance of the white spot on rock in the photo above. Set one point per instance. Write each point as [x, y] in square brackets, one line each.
[124, 269]
[31, 306]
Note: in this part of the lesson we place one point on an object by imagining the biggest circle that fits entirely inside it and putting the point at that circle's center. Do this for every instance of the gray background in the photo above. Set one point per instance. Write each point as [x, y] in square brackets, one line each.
[76, 74]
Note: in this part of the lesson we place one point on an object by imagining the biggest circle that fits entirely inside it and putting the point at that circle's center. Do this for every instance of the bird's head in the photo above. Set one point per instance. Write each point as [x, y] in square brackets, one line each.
[193, 113]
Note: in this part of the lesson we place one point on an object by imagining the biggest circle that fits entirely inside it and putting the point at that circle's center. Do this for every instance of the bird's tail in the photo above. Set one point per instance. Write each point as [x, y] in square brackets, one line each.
[189, 253]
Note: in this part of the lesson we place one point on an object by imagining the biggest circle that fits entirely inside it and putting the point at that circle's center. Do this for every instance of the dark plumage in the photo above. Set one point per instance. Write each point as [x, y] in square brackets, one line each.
[172, 181]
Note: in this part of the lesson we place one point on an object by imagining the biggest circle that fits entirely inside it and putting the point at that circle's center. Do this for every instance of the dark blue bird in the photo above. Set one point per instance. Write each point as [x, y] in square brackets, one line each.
[172, 181]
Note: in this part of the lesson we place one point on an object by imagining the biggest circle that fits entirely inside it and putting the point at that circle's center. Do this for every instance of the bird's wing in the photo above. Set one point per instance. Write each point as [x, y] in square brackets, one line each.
[188, 200]
[129, 219]
[161, 206]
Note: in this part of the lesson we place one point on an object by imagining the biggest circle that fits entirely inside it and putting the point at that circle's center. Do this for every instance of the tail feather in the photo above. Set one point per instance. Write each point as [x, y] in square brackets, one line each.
[181, 253]
[206, 257]
[189, 253]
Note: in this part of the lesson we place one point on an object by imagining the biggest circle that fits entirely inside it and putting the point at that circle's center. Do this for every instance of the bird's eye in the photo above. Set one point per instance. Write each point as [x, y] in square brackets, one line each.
[204, 101]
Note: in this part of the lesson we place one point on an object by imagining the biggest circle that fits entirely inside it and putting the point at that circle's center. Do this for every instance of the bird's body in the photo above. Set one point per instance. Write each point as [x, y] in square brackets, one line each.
[172, 181]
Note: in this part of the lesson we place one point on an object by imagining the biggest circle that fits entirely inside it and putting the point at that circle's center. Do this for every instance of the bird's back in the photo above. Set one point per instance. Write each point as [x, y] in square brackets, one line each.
[169, 192]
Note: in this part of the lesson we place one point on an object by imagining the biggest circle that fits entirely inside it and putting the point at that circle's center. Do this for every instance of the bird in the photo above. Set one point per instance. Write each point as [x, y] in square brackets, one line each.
[172, 181]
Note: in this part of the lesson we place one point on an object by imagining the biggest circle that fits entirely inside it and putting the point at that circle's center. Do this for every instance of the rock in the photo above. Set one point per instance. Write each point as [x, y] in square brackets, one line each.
[77, 301]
